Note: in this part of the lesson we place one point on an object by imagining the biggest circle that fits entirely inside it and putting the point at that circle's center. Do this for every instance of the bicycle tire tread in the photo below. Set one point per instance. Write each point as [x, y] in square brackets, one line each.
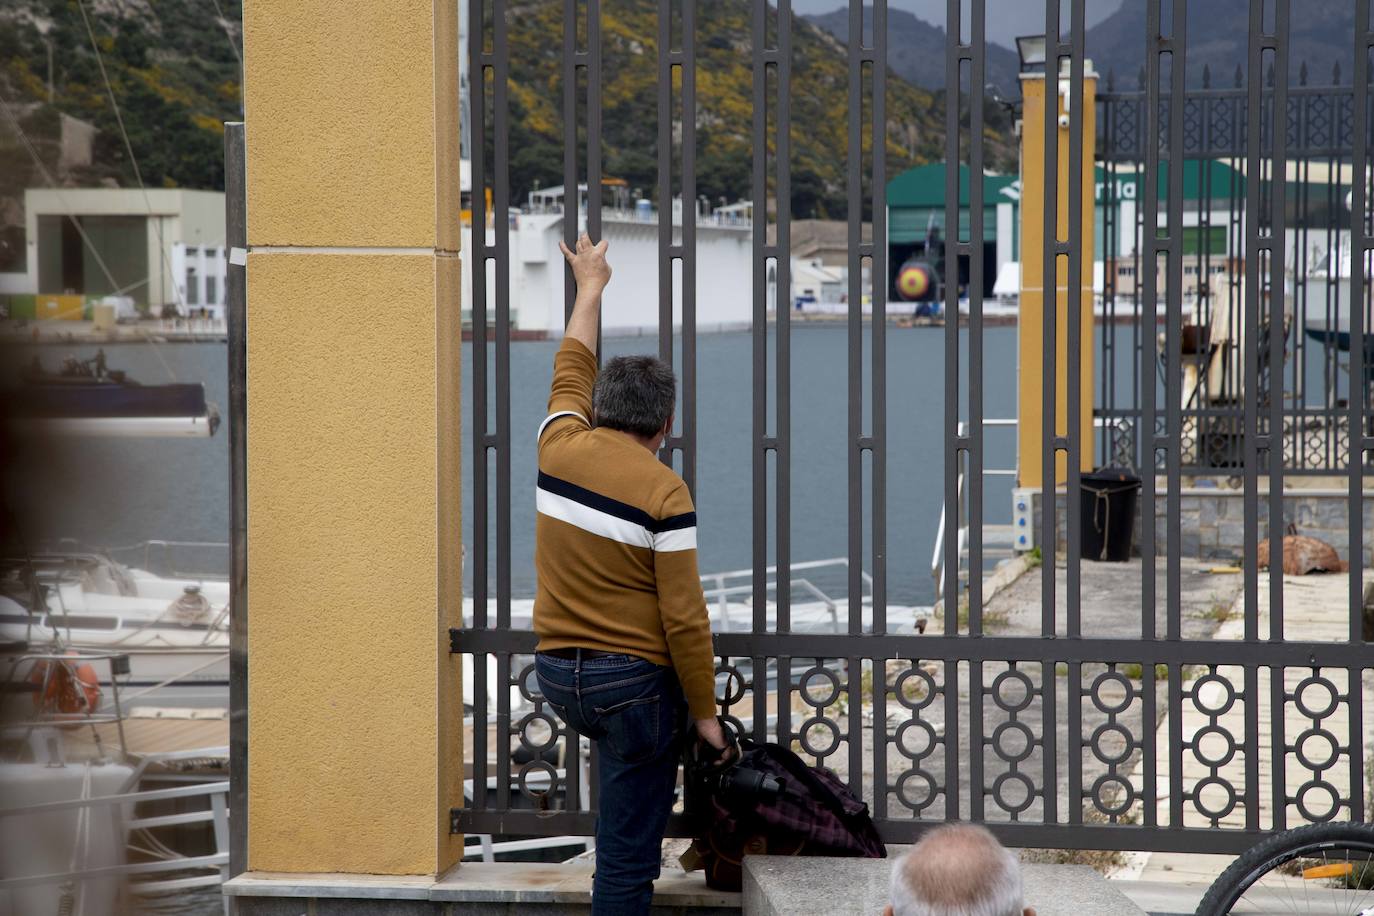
[1274, 851]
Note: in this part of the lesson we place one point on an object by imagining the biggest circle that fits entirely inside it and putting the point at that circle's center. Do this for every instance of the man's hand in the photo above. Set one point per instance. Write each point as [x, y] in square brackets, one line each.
[588, 263]
[709, 730]
[592, 273]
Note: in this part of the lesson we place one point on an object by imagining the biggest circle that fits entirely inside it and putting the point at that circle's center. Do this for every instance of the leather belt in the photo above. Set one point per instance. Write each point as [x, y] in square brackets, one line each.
[571, 652]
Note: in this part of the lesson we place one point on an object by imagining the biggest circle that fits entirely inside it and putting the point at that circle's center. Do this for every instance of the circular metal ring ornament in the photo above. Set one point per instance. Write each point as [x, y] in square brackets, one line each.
[1107, 677]
[804, 686]
[1212, 677]
[1218, 813]
[528, 683]
[1320, 785]
[903, 789]
[999, 684]
[1224, 735]
[1321, 682]
[999, 786]
[1127, 743]
[524, 729]
[900, 739]
[1126, 797]
[1302, 752]
[548, 770]
[732, 677]
[920, 702]
[999, 736]
[804, 735]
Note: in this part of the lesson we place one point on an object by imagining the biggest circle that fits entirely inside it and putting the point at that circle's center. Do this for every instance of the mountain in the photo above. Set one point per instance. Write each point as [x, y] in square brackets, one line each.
[1217, 37]
[724, 100]
[916, 50]
[174, 69]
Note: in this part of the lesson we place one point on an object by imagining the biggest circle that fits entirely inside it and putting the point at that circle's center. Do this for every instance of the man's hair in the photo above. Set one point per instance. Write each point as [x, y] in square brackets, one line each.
[957, 870]
[634, 394]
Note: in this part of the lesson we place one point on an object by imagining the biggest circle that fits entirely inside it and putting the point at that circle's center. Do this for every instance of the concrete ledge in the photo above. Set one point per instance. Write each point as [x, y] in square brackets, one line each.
[789, 886]
[473, 888]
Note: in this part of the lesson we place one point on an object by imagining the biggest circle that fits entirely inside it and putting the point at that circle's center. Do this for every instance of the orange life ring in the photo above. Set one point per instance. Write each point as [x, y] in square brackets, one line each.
[70, 688]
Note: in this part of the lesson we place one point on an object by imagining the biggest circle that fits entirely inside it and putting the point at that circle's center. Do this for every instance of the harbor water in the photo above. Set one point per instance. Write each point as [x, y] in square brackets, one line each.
[115, 492]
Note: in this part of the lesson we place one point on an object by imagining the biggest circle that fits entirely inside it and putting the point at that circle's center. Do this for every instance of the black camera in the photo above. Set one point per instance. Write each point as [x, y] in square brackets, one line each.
[735, 781]
[746, 784]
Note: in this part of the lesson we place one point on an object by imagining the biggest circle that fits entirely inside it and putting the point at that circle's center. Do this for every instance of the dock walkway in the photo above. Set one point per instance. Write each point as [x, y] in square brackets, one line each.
[1315, 609]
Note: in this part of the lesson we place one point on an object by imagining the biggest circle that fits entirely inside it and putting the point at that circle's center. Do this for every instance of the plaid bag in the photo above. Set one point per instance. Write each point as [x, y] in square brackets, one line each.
[815, 814]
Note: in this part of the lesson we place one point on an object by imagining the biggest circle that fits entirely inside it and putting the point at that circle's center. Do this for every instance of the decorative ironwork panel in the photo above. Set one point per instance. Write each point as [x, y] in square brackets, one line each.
[1149, 738]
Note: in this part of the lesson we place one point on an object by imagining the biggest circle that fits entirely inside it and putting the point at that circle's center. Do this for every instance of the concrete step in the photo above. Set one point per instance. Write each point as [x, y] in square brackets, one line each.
[793, 886]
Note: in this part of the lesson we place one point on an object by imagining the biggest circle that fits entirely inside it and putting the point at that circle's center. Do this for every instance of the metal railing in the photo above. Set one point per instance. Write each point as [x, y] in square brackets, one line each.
[1231, 340]
[1066, 737]
[127, 798]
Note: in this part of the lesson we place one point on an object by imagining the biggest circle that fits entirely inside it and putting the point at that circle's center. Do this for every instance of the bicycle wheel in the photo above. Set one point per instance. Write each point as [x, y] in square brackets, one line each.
[1320, 868]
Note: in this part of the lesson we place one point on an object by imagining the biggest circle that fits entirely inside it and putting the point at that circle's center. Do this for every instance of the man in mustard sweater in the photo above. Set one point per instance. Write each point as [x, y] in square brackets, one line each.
[624, 652]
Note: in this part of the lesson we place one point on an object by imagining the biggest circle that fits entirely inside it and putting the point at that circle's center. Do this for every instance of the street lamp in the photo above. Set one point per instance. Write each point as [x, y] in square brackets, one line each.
[1031, 49]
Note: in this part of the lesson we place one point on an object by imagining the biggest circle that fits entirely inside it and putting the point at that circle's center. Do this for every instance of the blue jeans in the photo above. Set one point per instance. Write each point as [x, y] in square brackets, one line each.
[635, 712]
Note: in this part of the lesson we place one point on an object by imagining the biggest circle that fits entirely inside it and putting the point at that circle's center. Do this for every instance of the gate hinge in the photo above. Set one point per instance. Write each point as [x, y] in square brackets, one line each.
[454, 633]
[455, 820]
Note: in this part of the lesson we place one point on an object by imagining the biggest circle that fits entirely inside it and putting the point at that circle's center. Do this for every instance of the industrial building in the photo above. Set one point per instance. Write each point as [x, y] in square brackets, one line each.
[159, 248]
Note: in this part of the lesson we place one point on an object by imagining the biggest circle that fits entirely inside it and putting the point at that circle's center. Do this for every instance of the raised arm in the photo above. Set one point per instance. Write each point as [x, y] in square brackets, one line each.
[574, 368]
[592, 273]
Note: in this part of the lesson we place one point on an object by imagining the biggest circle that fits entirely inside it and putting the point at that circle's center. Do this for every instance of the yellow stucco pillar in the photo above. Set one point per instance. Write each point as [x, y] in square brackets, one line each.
[354, 545]
[1031, 327]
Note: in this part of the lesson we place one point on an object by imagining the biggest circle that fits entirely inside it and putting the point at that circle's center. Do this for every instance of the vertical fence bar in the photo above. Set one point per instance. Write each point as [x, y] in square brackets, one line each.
[1359, 255]
[775, 60]
[782, 410]
[594, 119]
[572, 197]
[1148, 272]
[687, 423]
[501, 225]
[782, 314]
[1147, 282]
[854, 192]
[976, 54]
[857, 443]
[236, 240]
[877, 61]
[1049, 343]
[953, 435]
[1074, 489]
[1173, 333]
[953, 448]
[1278, 202]
[1256, 246]
[1074, 295]
[683, 60]
[1049, 426]
[479, 65]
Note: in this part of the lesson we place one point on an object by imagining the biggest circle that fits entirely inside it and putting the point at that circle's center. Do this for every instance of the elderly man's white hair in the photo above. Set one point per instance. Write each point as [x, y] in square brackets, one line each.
[957, 870]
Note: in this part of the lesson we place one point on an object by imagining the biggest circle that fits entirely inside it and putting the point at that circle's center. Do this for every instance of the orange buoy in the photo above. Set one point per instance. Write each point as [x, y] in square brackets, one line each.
[65, 687]
[914, 280]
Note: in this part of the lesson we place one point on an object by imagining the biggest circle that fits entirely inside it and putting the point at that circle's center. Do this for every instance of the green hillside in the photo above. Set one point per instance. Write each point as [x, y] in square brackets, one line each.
[174, 69]
[724, 100]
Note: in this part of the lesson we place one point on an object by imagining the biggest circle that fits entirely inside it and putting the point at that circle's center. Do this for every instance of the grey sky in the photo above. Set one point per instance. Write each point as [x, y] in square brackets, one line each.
[1006, 18]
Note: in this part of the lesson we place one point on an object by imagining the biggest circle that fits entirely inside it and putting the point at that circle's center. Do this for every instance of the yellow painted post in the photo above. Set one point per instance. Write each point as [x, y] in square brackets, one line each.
[354, 545]
[1030, 324]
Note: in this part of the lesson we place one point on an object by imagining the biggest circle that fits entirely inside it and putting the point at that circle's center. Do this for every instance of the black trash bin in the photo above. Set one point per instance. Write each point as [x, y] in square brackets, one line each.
[1107, 514]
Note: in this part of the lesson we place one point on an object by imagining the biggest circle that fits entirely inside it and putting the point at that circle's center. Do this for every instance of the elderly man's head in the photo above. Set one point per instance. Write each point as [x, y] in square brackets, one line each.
[957, 870]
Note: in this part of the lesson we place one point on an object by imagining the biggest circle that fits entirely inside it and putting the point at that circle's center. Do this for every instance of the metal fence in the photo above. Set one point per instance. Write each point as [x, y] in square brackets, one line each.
[1298, 187]
[1073, 737]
